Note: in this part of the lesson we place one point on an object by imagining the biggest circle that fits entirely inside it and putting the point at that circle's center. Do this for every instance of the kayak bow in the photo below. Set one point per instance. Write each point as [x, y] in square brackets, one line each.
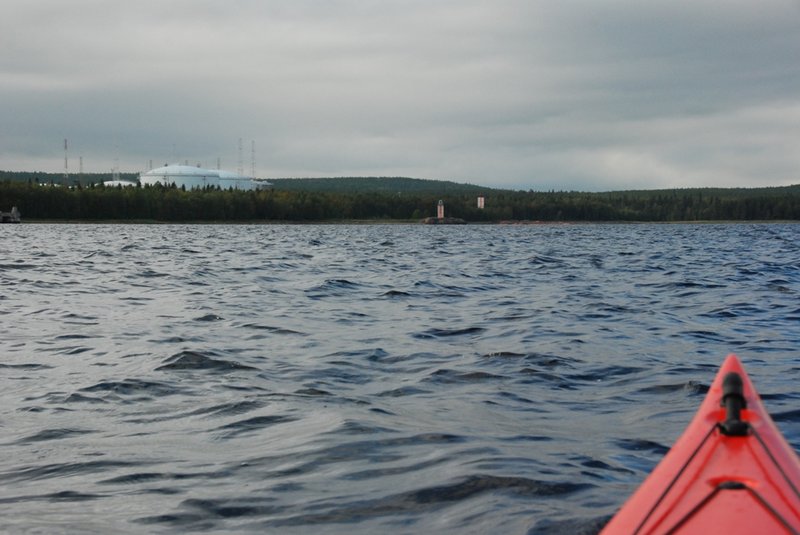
[730, 472]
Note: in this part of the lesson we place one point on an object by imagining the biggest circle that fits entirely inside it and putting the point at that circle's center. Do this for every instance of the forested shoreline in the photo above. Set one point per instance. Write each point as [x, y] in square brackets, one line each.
[384, 200]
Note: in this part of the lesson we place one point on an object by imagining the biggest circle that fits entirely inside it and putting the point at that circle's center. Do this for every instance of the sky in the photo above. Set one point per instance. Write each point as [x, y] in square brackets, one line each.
[588, 95]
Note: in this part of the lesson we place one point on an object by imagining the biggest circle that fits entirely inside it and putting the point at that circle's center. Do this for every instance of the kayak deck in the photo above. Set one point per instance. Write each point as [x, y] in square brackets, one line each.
[730, 472]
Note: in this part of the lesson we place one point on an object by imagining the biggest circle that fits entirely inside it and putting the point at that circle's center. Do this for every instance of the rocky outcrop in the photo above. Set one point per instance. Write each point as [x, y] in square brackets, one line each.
[443, 221]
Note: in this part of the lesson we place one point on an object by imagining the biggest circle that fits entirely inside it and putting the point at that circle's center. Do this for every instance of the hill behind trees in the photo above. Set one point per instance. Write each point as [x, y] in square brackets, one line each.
[382, 198]
[375, 185]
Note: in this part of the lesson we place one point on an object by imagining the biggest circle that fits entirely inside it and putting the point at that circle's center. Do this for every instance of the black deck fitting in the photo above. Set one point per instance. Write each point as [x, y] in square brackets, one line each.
[733, 401]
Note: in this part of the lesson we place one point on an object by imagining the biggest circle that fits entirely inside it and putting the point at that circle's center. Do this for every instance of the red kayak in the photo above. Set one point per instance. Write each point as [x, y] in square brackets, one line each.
[730, 472]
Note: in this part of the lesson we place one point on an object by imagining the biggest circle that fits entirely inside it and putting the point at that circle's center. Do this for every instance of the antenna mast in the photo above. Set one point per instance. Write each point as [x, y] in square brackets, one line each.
[115, 171]
[241, 161]
[253, 159]
[66, 165]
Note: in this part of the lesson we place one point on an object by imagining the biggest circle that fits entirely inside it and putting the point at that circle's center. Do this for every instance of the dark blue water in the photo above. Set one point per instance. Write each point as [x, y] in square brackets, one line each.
[371, 379]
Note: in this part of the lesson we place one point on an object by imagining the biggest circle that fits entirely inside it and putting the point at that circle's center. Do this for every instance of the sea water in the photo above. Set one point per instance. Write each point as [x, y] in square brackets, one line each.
[371, 378]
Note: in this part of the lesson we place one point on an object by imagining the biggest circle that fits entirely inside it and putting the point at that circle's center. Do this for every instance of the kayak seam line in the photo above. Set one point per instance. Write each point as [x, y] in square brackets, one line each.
[674, 480]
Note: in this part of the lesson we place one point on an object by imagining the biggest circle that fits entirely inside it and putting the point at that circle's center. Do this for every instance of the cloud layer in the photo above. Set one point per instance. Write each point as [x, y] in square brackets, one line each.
[529, 94]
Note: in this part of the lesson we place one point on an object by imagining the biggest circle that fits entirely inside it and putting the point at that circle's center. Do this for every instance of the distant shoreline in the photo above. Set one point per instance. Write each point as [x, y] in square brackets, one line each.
[400, 222]
[397, 200]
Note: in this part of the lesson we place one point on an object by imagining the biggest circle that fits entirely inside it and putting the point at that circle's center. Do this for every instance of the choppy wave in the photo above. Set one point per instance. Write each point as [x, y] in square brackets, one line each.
[368, 379]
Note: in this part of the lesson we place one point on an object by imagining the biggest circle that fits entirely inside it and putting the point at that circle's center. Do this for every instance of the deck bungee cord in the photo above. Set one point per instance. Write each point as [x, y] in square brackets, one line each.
[730, 472]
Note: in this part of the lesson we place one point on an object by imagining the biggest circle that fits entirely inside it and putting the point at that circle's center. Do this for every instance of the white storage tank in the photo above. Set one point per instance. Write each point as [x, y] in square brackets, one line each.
[182, 176]
[197, 177]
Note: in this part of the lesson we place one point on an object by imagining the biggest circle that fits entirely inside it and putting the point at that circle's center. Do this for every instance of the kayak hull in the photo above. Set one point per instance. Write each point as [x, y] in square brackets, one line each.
[731, 471]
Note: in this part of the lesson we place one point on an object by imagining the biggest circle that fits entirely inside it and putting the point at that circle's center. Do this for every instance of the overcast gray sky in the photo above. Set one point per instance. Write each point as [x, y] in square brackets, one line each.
[528, 94]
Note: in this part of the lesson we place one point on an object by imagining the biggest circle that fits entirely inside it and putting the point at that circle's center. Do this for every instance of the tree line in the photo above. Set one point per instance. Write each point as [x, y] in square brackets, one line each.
[157, 203]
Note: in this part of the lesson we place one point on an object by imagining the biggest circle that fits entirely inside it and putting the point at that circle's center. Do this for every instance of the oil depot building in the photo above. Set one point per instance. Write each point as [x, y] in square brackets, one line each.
[186, 176]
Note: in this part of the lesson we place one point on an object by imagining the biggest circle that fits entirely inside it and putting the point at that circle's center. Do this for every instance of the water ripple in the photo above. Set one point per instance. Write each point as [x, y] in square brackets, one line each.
[192, 360]
[371, 378]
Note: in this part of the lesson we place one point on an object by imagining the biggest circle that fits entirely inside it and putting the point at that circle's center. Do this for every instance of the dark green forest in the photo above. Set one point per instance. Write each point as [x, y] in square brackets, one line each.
[398, 199]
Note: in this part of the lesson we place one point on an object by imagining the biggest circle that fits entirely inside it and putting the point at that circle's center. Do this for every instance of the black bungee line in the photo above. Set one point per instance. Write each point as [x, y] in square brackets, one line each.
[775, 462]
[733, 400]
[674, 480]
[733, 485]
[725, 485]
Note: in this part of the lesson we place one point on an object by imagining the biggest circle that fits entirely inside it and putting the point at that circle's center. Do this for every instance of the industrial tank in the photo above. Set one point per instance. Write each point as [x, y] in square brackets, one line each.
[182, 176]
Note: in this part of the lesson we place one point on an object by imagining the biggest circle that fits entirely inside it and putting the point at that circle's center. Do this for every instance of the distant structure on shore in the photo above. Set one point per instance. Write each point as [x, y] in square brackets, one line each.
[10, 217]
[190, 177]
[440, 219]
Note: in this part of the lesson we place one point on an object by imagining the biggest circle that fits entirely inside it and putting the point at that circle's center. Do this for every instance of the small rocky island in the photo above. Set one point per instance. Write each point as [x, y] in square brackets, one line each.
[10, 217]
[443, 221]
[440, 219]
